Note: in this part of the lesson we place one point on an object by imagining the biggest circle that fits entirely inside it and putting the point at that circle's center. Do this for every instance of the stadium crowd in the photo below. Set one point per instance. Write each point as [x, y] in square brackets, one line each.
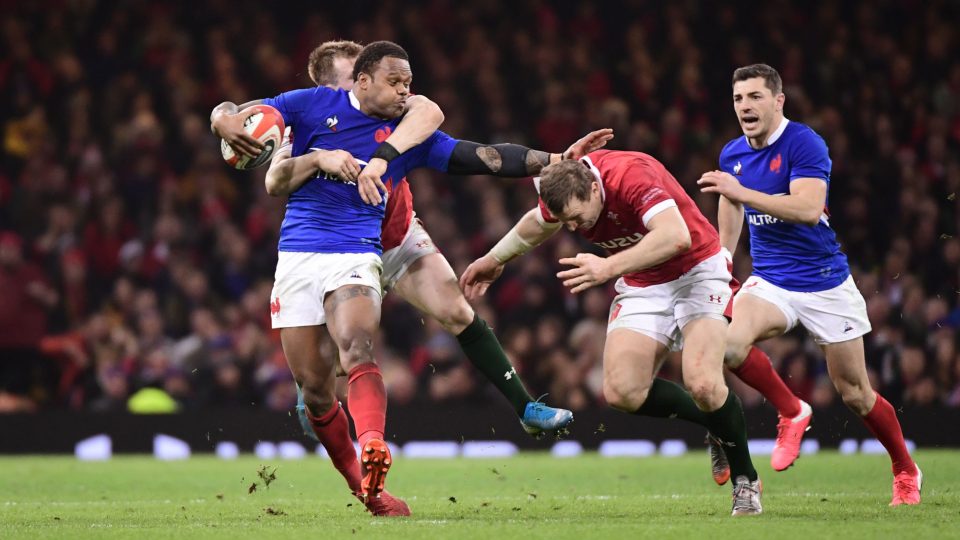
[132, 257]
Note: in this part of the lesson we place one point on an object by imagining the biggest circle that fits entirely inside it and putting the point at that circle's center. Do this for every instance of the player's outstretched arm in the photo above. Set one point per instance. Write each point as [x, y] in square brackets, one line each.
[730, 221]
[226, 122]
[287, 174]
[514, 160]
[422, 118]
[529, 232]
[668, 237]
[804, 204]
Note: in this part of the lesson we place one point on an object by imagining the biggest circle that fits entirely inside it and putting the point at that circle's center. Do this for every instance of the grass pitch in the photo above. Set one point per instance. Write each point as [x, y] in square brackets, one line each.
[529, 496]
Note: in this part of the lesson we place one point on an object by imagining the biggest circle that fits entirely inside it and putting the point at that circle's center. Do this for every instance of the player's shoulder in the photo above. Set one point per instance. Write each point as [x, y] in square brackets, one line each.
[607, 160]
[800, 133]
[734, 146]
[315, 93]
[802, 142]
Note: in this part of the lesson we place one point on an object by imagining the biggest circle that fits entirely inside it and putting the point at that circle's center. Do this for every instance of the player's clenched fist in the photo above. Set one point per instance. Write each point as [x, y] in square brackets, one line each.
[479, 275]
[588, 270]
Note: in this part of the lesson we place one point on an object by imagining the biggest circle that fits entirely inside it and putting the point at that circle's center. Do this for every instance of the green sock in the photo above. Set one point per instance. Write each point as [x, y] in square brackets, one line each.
[484, 351]
[728, 425]
[669, 400]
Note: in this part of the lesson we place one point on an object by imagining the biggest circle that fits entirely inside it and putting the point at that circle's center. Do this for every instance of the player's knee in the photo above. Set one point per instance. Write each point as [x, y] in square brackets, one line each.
[735, 353]
[707, 392]
[356, 347]
[456, 316]
[625, 396]
[318, 397]
[857, 399]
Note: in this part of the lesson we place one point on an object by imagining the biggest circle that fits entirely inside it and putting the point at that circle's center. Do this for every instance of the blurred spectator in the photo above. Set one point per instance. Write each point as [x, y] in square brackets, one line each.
[27, 297]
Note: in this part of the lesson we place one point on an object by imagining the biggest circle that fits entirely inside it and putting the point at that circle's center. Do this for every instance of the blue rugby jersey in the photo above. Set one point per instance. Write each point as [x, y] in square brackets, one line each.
[327, 215]
[793, 256]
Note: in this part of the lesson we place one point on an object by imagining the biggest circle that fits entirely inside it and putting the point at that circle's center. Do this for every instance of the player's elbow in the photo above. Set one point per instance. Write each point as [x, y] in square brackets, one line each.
[682, 241]
[273, 185]
[432, 113]
[811, 217]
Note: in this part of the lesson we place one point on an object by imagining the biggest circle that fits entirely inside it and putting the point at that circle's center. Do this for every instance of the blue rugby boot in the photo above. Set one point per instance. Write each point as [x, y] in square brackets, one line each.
[539, 417]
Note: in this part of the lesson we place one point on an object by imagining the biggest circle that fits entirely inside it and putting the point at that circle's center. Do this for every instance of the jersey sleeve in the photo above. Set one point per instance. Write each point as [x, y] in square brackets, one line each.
[292, 104]
[810, 158]
[433, 153]
[644, 193]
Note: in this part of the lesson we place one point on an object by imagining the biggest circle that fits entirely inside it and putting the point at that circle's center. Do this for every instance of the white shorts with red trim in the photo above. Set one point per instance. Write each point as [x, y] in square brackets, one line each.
[661, 311]
[831, 316]
[303, 280]
[416, 244]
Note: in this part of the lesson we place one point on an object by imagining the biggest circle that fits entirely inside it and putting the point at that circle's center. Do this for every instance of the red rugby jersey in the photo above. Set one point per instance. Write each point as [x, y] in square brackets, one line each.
[635, 187]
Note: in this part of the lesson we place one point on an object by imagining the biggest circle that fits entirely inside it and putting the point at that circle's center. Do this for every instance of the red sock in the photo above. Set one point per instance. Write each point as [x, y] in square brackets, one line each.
[882, 421]
[758, 372]
[333, 430]
[367, 400]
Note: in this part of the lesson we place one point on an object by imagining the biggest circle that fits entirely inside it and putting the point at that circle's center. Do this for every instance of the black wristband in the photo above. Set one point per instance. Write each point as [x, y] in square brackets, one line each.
[386, 152]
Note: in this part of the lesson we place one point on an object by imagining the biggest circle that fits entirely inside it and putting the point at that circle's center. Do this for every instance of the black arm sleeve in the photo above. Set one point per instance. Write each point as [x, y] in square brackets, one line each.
[505, 159]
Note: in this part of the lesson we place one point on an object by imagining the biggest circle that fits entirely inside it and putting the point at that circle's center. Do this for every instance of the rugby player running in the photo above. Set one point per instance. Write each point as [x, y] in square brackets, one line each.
[777, 175]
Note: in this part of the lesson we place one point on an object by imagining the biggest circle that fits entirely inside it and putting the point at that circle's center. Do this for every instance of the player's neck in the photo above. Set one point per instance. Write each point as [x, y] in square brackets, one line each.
[358, 101]
[766, 138]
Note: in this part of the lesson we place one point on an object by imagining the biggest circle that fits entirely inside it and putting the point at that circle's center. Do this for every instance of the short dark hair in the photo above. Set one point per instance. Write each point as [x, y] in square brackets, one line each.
[371, 55]
[562, 182]
[320, 63]
[770, 76]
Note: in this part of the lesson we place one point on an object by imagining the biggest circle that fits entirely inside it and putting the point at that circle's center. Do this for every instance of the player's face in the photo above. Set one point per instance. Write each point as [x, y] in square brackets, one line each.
[758, 110]
[343, 67]
[388, 87]
[582, 214]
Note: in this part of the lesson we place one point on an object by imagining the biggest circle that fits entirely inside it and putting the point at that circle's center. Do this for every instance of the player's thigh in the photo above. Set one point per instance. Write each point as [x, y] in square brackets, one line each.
[430, 285]
[760, 312]
[847, 367]
[353, 311]
[836, 315]
[297, 296]
[351, 302]
[630, 362]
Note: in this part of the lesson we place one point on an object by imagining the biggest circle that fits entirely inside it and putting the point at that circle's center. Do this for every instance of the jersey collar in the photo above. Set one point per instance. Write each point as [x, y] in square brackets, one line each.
[596, 172]
[780, 129]
[353, 100]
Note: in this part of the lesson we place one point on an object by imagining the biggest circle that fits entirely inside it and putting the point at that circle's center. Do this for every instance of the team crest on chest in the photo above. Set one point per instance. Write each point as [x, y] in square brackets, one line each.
[775, 163]
[737, 168]
[332, 122]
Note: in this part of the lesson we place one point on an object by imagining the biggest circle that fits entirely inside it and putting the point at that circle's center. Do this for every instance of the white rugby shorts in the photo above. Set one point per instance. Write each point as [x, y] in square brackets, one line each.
[831, 316]
[661, 311]
[416, 244]
[303, 280]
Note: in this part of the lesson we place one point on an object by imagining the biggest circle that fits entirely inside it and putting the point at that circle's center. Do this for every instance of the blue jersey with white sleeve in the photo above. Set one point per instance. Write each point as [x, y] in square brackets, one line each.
[792, 256]
[327, 215]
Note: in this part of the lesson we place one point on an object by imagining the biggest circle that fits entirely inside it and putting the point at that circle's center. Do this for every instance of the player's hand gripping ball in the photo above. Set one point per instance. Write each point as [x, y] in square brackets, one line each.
[265, 125]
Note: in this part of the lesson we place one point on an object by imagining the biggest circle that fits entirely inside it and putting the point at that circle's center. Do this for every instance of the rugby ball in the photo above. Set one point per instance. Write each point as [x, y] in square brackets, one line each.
[264, 125]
